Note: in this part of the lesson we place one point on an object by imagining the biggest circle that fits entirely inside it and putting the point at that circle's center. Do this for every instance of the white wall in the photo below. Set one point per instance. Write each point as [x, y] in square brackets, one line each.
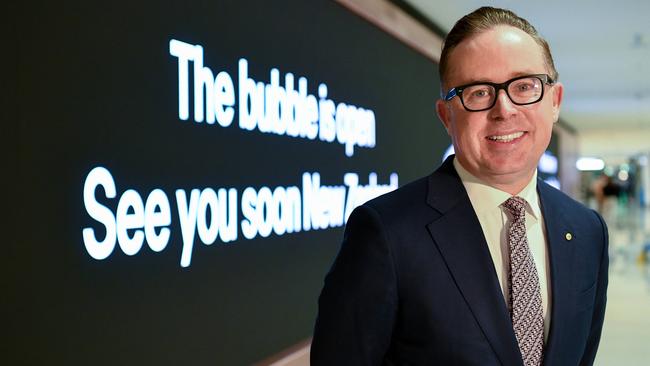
[614, 145]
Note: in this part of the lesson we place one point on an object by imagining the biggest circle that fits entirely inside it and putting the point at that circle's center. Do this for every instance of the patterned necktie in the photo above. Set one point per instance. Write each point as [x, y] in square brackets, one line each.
[525, 295]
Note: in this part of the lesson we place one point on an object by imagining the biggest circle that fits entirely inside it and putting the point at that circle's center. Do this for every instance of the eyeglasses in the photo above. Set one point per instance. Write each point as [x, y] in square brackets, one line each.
[482, 96]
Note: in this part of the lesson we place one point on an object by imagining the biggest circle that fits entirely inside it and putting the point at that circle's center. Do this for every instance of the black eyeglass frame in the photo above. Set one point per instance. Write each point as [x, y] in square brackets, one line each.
[458, 90]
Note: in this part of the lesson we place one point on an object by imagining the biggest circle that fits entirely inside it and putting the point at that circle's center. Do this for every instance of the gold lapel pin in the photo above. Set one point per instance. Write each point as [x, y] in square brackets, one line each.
[568, 236]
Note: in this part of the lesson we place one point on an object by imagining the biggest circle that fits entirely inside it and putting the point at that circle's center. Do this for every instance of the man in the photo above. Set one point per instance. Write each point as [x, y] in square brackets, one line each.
[479, 263]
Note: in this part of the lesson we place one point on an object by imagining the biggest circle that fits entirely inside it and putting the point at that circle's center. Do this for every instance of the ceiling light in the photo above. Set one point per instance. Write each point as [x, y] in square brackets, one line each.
[590, 164]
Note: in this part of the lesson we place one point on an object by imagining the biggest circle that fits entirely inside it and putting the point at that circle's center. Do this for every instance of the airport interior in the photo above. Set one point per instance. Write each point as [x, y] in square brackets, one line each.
[186, 169]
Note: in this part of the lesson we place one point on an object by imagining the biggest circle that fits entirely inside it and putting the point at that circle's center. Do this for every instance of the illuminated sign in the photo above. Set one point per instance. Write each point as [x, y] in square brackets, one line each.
[269, 108]
[214, 213]
[281, 210]
[130, 225]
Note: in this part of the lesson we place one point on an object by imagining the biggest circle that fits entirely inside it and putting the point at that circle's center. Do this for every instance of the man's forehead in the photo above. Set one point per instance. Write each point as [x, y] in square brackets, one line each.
[495, 55]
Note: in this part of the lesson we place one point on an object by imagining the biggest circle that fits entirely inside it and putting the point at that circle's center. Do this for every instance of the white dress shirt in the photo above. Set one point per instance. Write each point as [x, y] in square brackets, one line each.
[494, 219]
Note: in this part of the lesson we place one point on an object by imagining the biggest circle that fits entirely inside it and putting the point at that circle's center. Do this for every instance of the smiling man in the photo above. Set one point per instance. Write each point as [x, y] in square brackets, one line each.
[479, 263]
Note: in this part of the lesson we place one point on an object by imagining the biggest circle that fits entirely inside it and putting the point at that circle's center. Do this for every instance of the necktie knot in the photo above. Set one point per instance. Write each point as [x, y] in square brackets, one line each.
[516, 205]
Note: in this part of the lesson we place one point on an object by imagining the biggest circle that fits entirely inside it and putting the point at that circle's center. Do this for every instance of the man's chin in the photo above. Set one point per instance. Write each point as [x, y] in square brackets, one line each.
[507, 171]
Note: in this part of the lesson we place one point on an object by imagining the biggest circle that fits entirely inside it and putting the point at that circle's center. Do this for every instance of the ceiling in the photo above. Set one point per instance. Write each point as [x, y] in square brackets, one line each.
[601, 50]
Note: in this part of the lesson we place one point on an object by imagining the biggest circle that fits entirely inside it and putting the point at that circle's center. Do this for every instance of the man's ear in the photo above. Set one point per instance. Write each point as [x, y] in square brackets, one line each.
[558, 94]
[444, 114]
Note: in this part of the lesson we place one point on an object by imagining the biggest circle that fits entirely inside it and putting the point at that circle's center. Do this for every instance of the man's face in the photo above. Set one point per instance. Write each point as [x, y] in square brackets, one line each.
[502, 145]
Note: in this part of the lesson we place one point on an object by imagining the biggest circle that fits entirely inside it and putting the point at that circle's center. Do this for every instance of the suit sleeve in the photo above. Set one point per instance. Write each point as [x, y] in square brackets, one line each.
[358, 303]
[600, 301]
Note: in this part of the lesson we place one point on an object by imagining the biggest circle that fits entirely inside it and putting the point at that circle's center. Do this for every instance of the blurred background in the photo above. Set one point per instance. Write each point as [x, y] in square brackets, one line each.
[152, 220]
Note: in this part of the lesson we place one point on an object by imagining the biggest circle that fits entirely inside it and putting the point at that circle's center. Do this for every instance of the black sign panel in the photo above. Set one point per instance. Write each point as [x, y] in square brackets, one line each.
[182, 172]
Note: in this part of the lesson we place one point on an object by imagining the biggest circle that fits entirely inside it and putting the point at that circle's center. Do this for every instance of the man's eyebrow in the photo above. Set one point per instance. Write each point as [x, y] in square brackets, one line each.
[473, 81]
[525, 73]
[477, 81]
[512, 76]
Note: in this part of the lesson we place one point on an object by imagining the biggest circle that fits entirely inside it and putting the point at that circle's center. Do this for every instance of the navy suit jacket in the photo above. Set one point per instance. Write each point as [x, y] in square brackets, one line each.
[414, 283]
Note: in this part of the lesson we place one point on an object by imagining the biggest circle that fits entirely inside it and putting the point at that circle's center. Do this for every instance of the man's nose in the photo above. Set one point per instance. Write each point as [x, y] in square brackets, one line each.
[503, 106]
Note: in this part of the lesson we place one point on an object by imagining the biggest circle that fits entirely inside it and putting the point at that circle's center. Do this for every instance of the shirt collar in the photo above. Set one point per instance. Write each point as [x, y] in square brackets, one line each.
[485, 197]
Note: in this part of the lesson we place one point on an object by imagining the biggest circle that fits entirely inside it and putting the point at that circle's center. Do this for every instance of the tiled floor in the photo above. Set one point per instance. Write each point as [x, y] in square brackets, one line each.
[626, 335]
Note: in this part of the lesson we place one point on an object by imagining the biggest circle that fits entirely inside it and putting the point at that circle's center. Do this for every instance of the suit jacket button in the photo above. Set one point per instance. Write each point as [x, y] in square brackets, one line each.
[568, 236]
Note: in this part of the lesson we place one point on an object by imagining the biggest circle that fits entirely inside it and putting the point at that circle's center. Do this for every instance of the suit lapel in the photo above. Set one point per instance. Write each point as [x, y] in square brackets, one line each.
[457, 234]
[561, 257]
